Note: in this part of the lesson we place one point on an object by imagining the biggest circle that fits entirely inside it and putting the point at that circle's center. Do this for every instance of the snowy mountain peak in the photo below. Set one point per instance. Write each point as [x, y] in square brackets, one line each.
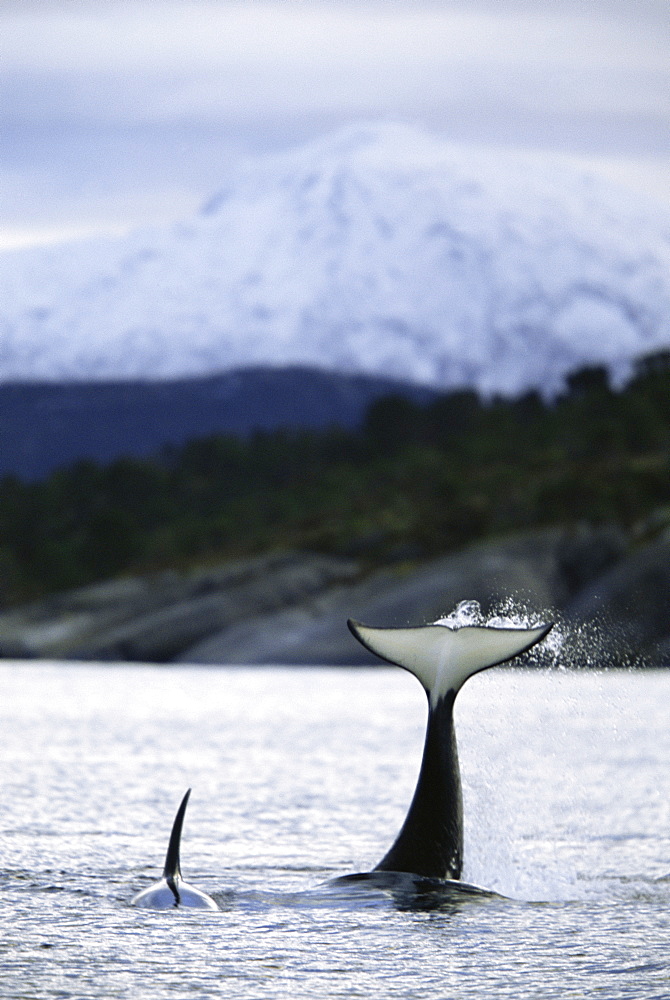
[378, 249]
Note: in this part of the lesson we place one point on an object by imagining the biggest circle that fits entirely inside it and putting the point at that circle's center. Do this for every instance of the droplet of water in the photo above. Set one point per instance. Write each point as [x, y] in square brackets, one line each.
[465, 613]
[510, 613]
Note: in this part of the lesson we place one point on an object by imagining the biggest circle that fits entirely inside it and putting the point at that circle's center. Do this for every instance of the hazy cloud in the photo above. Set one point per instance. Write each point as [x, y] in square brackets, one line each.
[163, 61]
[159, 76]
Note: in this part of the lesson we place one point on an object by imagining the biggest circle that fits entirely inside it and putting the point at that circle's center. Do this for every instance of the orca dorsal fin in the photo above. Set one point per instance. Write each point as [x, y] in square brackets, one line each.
[171, 891]
[172, 867]
[443, 658]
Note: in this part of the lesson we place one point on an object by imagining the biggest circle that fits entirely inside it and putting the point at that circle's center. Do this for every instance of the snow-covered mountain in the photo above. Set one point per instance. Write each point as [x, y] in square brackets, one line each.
[378, 249]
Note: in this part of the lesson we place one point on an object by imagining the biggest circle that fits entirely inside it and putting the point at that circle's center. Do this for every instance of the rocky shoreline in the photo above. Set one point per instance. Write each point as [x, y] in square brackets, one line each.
[292, 607]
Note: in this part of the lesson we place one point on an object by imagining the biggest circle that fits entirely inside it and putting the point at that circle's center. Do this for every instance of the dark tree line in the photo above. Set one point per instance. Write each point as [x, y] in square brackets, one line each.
[414, 480]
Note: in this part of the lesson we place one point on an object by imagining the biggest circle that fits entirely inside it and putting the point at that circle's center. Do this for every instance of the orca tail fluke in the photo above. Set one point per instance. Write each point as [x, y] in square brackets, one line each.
[443, 658]
[430, 843]
[172, 861]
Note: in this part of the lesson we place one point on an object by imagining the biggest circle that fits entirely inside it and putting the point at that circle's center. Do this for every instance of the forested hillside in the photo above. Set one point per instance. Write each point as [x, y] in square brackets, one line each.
[416, 480]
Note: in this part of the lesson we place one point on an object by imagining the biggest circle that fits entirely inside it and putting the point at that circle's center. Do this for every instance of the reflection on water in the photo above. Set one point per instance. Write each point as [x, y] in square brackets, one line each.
[300, 777]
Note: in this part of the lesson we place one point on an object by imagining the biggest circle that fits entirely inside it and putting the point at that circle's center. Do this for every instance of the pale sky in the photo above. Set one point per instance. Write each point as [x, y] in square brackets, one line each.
[115, 114]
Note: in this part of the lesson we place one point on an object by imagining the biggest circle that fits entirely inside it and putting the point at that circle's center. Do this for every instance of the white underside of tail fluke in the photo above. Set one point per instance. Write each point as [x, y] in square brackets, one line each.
[443, 658]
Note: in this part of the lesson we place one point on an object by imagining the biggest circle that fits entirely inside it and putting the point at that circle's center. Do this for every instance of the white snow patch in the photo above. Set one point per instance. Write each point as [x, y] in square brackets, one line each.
[378, 249]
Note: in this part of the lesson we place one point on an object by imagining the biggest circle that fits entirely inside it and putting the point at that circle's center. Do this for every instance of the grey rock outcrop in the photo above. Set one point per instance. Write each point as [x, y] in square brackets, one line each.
[537, 570]
[153, 619]
[292, 607]
[632, 602]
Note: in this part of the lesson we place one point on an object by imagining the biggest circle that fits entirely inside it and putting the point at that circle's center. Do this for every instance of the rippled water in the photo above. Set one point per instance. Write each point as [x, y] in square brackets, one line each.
[300, 775]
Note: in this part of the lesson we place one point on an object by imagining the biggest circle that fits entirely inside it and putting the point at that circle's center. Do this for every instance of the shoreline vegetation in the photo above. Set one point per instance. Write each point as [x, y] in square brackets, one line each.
[417, 485]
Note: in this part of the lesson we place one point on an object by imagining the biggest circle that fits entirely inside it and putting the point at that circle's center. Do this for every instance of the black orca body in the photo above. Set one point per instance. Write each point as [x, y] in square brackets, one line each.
[430, 843]
[171, 891]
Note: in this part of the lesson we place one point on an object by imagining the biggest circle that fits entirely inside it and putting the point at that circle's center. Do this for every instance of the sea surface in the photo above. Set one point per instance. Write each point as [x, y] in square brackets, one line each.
[300, 775]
